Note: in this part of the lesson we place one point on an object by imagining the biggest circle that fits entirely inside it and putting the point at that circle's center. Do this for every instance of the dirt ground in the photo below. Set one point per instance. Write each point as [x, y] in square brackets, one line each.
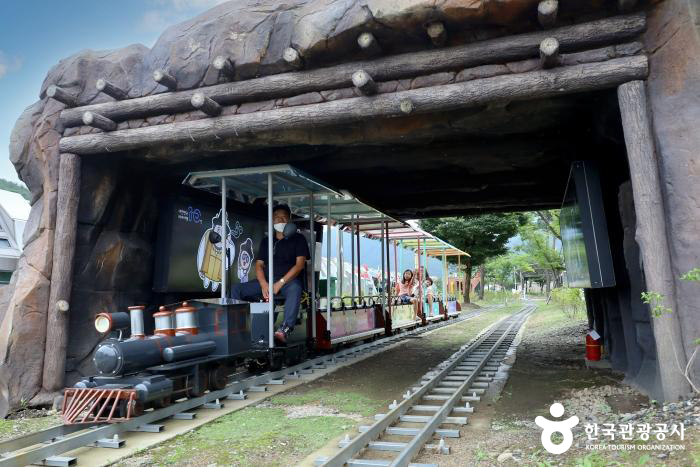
[550, 368]
[286, 428]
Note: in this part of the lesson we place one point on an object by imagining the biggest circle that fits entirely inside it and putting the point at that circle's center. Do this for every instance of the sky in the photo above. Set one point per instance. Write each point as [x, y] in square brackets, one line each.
[37, 34]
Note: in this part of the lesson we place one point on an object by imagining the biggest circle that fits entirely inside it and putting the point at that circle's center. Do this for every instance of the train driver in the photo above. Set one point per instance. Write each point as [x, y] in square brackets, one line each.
[289, 255]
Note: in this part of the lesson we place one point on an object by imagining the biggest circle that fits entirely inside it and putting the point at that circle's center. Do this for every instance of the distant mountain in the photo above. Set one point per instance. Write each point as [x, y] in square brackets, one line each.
[15, 188]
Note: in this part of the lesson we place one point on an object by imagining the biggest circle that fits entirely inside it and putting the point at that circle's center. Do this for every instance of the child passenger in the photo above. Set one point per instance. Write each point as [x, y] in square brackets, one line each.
[404, 289]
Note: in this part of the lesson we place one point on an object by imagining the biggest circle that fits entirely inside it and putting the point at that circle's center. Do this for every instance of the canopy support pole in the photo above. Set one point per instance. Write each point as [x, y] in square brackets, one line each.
[359, 262]
[312, 227]
[444, 277]
[270, 261]
[224, 251]
[382, 283]
[352, 258]
[328, 268]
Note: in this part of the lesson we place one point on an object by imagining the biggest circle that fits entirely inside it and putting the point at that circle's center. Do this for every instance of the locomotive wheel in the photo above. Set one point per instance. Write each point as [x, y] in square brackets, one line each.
[276, 360]
[202, 378]
[123, 408]
[162, 402]
[256, 366]
[218, 377]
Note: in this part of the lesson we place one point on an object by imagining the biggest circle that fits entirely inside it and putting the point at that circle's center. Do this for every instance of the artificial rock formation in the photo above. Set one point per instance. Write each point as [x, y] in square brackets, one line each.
[118, 212]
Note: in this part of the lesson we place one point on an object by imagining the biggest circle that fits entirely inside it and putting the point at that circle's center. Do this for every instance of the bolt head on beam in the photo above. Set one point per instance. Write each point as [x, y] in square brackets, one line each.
[406, 106]
[291, 56]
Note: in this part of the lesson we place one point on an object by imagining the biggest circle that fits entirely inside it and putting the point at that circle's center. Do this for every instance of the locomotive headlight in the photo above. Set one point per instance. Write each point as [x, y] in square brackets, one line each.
[106, 322]
[103, 323]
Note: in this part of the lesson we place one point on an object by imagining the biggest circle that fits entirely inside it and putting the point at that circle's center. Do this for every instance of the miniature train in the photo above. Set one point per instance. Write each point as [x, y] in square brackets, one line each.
[196, 345]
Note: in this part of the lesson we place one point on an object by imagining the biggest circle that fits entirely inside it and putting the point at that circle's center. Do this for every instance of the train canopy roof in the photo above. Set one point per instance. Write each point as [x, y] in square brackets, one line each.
[306, 194]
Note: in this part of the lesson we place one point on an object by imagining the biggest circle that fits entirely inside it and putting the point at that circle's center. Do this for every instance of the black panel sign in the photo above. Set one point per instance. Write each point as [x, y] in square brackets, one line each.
[190, 243]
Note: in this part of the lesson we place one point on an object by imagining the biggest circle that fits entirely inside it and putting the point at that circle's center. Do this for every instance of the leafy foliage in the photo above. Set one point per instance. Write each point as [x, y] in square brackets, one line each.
[692, 275]
[482, 236]
[15, 188]
[570, 300]
[655, 301]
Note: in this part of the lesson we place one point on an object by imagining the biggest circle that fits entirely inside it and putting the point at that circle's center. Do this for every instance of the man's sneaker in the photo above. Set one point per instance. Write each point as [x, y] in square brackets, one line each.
[281, 334]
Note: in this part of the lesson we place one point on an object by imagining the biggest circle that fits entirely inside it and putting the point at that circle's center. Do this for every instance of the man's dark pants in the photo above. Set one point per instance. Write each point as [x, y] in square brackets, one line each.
[291, 291]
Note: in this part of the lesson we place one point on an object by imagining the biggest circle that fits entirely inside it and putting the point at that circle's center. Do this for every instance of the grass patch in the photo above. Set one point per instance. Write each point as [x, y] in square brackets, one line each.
[252, 436]
[345, 401]
[10, 428]
[550, 317]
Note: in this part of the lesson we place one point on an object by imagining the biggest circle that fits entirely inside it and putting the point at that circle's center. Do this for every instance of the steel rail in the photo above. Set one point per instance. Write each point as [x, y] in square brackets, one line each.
[398, 412]
[64, 438]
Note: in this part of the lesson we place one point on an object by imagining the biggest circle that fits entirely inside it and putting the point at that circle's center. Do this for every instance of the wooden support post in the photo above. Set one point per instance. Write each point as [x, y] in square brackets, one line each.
[369, 44]
[205, 104]
[61, 95]
[99, 121]
[165, 79]
[409, 65]
[110, 89]
[292, 57]
[626, 5]
[62, 272]
[651, 234]
[547, 13]
[364, 82]
[225, 66]
[549, 52]
[437, 33]
[523, 86]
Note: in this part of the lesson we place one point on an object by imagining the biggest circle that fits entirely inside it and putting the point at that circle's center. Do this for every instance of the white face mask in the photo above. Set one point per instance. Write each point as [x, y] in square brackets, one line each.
[279, 227]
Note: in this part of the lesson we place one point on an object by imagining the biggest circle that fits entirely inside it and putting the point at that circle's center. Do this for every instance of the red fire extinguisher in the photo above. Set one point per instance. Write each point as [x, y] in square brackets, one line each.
[593, 346]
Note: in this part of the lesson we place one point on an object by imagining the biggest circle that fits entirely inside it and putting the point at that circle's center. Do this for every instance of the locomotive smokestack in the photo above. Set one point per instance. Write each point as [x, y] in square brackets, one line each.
[137, 321]
[186, 319]
[164, 322]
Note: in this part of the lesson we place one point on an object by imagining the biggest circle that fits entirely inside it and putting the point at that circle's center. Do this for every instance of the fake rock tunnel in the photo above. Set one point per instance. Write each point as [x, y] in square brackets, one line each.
[475, 116]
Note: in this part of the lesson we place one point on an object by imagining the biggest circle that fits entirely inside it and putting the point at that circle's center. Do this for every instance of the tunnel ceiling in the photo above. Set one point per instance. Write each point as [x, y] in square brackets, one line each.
[511, 156]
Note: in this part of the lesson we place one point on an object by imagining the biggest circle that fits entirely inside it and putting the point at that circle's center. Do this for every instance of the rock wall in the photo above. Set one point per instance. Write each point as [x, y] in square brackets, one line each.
[673, 86]
[116, 214]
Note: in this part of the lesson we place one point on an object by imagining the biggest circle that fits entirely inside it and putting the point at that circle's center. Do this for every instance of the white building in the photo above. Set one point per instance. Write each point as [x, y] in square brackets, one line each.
[14, 212]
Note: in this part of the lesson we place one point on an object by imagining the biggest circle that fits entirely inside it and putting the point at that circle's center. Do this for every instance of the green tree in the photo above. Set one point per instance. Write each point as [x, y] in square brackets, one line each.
[15, 188]
[482, 236]
[500, 269]
[539, 246]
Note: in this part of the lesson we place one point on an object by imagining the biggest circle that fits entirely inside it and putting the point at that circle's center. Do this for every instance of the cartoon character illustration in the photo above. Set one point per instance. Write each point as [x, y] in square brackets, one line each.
[209, 252]
[245, 259]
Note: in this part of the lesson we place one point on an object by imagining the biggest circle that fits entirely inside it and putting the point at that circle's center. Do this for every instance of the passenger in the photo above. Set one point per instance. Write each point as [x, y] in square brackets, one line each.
[429, 293]
[404, 289]
[288, 258]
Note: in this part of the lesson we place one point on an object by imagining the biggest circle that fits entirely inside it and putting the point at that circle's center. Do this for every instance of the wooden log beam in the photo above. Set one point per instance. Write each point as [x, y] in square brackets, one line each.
[547, 11]
[225, 66]
[61, 95]
[437, 33]
[571, 38]
[62, 273]
[525, 86]
[165, 79]
[292, 57]
[364, 82]
[110, 89]
[549, 52]
[205, 104]
[369, 44]
[652, 235]
[99, 121]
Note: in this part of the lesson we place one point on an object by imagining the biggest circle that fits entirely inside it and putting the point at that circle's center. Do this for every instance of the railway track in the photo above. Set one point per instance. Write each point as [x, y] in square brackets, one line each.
[47, 446]
[444, 397]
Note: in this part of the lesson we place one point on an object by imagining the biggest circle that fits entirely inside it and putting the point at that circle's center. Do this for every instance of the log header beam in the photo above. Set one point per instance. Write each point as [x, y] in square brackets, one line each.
[571, 38]
[525, 86]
